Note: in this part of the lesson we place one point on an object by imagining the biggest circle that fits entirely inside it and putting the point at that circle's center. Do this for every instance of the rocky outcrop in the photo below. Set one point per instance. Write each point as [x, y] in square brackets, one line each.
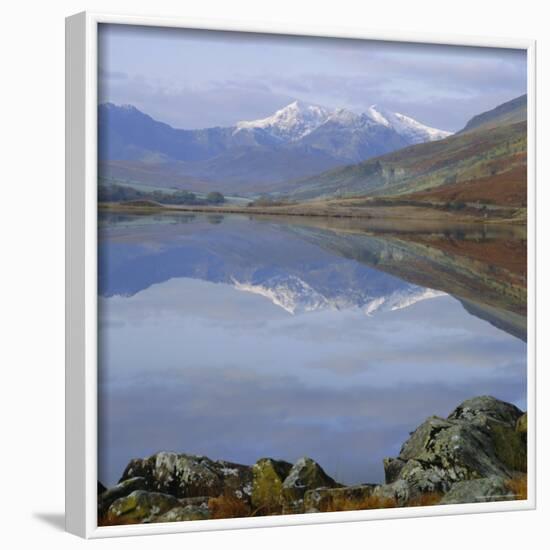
[477, 440]
[477, 454]
[305, 475]
[183, 475]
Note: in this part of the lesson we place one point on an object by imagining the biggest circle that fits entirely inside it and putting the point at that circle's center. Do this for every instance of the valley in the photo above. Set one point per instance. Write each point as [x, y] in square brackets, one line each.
[478, 174]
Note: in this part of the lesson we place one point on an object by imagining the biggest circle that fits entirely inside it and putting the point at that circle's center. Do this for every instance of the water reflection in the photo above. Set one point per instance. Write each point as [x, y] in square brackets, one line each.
[246, 338]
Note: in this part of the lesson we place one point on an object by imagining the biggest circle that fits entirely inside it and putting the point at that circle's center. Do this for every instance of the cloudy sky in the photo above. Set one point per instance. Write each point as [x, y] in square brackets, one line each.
[197, 79]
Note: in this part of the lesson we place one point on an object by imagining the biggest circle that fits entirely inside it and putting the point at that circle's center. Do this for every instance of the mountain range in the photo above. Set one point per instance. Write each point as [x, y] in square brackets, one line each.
[297, 141]
[485, 162]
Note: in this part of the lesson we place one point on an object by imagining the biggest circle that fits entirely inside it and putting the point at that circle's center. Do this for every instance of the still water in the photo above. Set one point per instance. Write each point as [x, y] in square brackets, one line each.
[239, 338]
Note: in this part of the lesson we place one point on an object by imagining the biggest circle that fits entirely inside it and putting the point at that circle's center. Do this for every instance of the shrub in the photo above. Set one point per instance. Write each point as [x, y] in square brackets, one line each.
[228, 506]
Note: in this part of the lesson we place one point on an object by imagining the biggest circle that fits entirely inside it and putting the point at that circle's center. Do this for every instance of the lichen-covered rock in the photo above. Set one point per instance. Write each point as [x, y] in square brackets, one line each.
[399, 492]
[184, 513]
[100, 488]
[483, 408]
[392, 468]
[306, 474]
[477, 440]
[478, 490]
[500, 419]
[327, 500]
[267, 485]
[140, 507]
[122, 489]
[182, 475]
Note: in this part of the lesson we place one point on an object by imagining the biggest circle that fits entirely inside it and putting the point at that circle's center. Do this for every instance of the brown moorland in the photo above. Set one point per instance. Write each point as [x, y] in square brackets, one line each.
[504, 189]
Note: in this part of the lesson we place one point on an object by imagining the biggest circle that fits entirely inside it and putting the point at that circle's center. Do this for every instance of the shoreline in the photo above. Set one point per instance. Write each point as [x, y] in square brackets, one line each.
[314, 210]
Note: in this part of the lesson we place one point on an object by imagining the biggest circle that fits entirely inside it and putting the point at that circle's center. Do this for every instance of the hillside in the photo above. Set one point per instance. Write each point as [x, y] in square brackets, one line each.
[508, 113]
[492, 154]
[297, 141]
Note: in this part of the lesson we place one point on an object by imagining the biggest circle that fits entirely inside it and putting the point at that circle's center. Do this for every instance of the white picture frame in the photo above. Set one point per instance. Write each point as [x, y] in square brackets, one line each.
[81, 277]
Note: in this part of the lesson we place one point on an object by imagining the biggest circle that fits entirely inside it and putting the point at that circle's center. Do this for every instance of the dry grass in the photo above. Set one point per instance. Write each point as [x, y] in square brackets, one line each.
[518, 486]
[228, 506]
[105, 522]
[426, 499]
[343, 504]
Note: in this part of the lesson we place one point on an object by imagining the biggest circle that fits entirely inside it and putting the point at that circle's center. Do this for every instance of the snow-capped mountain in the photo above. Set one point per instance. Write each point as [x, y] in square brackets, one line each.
[295, 295]
[290, 293]
[290, 123]
[299, 119]
[295, 142]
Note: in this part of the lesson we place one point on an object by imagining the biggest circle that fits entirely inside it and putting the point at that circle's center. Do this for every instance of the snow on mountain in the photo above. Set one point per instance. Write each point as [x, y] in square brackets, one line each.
[345, 118]
[290, 293]
[298, 119]
[376, 116]
[401, 299]
[296, 296]
[291, 122]
[414, 131]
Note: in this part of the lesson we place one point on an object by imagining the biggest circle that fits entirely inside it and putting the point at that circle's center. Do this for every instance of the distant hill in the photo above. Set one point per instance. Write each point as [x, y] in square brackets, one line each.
[297, 141]
[508, 113]
[481, 154]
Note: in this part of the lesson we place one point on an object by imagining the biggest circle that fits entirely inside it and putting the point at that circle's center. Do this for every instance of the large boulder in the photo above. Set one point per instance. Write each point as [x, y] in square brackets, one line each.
[122, 489]
[305, 475]
[267, 485]
[477, 440]
[355, 497]
[481, 409]
[140, 507]
[487, 489]
[182, 475]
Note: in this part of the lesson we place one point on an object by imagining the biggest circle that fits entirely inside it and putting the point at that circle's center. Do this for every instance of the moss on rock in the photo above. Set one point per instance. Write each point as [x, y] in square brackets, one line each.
[140, 507]
[267, 485]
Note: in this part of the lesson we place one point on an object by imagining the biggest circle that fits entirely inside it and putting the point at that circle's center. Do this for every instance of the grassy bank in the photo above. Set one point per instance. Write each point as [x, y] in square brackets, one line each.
[346, 208]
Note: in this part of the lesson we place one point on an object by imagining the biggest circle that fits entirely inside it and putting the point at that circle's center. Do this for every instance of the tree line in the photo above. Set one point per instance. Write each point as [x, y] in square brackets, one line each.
[123, 193]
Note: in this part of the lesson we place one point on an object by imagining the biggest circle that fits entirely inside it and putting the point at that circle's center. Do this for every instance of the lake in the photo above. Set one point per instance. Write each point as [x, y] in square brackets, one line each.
[239, 338]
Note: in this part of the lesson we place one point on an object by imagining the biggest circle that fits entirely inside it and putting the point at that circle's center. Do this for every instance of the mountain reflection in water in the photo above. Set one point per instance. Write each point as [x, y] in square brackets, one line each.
[240, 337]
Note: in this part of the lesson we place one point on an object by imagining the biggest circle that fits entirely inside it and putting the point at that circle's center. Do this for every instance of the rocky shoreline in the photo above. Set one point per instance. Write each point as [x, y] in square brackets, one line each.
[477, 454]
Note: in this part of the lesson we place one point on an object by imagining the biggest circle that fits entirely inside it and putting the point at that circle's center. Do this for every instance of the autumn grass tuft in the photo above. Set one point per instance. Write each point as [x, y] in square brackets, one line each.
[426, 499]
[343, 504]
[518, 486]
[228, 506]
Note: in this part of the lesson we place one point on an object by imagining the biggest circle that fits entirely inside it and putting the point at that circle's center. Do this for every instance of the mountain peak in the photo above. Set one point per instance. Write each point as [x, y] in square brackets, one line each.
[292, 122]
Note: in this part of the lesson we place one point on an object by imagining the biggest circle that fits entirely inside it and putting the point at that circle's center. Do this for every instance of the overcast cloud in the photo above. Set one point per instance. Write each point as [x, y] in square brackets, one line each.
[197, 79]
